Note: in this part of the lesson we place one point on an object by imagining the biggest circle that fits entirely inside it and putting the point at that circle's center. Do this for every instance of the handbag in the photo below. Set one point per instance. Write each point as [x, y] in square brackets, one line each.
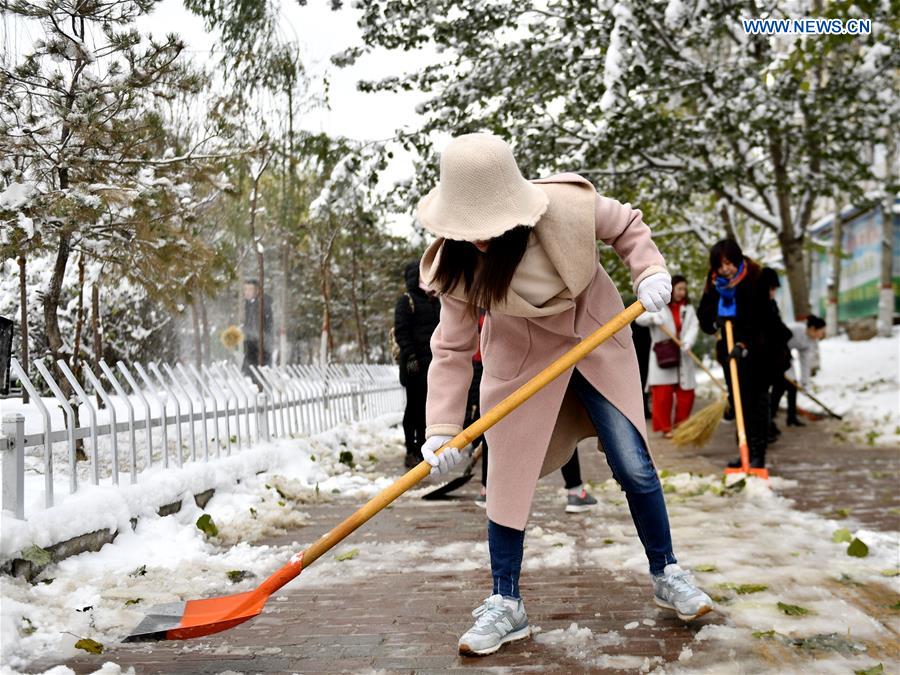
[668, 355]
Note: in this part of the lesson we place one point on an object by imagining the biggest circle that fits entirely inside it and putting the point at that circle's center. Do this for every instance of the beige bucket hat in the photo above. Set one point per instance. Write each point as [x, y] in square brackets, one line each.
[481, 193]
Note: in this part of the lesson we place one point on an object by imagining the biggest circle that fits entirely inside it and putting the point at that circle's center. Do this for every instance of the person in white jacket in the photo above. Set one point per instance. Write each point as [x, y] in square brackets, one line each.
[805, 340]
[671, 373]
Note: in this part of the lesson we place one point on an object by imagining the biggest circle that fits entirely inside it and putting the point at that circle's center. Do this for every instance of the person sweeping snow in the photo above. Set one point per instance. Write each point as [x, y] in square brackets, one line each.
[736, 291]
[671, 375]
[525, 251]
[804, 339]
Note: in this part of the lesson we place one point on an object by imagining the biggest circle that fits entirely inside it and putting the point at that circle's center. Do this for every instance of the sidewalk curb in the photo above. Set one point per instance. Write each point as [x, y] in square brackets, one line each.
[87, 542]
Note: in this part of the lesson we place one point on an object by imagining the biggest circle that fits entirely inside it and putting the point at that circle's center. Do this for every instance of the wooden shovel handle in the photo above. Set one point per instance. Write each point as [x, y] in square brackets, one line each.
[470, 433]
[706, 370]
[736, 396]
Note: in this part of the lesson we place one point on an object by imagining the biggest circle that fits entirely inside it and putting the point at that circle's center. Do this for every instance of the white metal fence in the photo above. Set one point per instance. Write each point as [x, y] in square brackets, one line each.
[195, 414]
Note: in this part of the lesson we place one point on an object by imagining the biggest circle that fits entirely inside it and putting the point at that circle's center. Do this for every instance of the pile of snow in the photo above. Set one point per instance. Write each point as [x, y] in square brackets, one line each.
[583, 645]
[103, 595]
[861, 381]
[751, 550]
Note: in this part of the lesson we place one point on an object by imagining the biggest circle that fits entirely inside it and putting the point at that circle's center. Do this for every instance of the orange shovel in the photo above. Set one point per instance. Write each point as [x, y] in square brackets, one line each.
[195, 618]
[745, 467]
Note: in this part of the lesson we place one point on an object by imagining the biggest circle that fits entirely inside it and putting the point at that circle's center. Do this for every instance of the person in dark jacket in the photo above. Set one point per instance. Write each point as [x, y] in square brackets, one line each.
[416, 315]
[779, 349]
[640, 336]
[735, 288]
[251, 326]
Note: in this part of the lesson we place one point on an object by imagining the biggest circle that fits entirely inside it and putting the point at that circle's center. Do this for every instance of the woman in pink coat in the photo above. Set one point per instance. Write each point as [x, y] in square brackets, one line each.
[525, 251]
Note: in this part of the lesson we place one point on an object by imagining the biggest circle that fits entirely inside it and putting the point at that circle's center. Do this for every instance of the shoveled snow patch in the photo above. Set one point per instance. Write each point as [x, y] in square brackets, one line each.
[549, 549]
[758, 551]
[583, 645]
[861, 381]
[103, 595]
[108, 668]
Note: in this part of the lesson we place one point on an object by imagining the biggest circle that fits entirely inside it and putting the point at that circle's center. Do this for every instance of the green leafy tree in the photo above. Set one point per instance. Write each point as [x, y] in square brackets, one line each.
[671, 98]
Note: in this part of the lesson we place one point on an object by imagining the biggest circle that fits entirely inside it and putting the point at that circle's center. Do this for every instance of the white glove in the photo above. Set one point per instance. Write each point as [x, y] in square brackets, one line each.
[655, 291]
[657, 319]
[440, 464]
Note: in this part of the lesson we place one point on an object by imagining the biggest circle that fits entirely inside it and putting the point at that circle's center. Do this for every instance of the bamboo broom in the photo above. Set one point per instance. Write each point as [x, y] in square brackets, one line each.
[697, 429]
[697, 360]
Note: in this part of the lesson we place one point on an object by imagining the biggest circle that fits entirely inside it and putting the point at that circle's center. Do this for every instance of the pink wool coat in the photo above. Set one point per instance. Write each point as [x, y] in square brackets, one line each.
[519, 340]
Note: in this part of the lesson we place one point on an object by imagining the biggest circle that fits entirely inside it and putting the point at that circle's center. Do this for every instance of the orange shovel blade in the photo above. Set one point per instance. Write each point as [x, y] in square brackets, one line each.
[195, 618]
[745, 465]
[762, 473]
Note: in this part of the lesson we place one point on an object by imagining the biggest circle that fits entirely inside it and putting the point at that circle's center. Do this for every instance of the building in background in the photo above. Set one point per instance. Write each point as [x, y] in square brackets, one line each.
[860, 264]
[860, 278]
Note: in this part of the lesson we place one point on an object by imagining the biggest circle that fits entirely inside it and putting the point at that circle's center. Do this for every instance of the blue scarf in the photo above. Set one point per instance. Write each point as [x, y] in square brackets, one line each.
[727, 289]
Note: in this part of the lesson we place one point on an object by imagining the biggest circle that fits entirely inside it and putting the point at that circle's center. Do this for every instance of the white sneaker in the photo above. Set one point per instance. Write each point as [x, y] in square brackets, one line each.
[673, 589]
[497, 621]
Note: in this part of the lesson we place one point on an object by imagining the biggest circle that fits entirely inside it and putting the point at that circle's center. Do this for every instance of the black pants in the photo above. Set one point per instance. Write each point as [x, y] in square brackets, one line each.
[778, 390]
[755, 404]
[473, 412]
[473, 405]
[414, 415]
[251, 355]
[571, 472]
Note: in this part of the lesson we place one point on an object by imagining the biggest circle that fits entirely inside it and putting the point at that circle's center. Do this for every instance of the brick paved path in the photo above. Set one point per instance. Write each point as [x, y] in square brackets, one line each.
[831, 474]
[398, 616]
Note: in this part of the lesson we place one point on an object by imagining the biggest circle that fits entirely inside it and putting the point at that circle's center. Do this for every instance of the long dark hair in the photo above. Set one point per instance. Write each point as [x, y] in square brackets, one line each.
[485, 276]
[677, 279]
[727, 249]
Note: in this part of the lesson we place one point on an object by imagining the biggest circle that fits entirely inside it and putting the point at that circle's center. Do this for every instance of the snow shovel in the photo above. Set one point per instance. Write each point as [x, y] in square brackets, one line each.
[745, 467]
[819, 403]
[195, 618]
[459, 481]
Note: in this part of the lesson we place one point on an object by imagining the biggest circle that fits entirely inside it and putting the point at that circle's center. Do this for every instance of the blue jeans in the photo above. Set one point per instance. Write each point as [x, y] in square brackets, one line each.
[628, 458]
[506, 546]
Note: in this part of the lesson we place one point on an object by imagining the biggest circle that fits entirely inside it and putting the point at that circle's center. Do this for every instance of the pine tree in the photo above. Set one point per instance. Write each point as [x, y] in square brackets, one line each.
[95, 163]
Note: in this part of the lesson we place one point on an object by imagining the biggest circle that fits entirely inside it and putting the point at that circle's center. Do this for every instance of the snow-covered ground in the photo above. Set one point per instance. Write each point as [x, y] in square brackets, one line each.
[102, 595]
[861, 381]
[747, 545]
[858, 380]
[751, 550]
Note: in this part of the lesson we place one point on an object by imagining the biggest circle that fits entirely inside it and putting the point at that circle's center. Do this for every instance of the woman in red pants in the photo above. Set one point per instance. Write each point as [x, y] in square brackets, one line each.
[671, 375]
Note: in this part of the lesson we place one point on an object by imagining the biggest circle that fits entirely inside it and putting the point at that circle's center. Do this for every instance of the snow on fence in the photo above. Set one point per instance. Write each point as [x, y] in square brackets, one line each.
[212, 411]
